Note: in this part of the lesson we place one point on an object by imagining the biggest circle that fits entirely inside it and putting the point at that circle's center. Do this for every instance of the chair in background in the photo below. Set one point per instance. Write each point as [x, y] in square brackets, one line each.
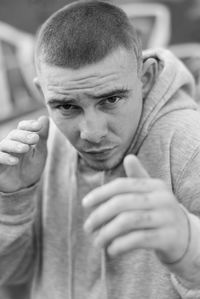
[189, 53]
[18, 94]
[152, 21]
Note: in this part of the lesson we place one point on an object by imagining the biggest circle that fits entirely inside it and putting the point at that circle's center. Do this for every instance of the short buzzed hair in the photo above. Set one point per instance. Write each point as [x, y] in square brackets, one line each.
[83, 33]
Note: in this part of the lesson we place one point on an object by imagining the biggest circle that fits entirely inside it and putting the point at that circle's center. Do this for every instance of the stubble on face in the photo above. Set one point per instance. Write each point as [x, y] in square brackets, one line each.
[60, 81]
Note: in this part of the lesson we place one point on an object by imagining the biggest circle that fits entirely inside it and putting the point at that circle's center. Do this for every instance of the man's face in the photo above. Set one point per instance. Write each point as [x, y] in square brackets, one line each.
[97, 107]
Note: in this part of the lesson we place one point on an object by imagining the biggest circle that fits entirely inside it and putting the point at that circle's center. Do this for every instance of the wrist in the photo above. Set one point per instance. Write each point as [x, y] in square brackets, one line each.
[17, 203]
[187, 269]
[19, 188]
[185, 249]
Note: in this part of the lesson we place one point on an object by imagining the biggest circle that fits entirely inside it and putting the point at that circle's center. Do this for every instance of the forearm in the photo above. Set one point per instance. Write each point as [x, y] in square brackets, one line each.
[17, 216]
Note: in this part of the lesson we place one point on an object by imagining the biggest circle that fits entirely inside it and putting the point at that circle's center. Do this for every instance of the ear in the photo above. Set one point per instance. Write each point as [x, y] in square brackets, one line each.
[37, 85]
[149, 75]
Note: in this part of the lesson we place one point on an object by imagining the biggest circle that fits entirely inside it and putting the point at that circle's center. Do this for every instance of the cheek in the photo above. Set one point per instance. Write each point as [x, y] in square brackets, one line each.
[130, 117]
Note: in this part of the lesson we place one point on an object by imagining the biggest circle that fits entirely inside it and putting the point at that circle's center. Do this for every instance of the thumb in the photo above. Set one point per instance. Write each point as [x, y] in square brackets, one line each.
[133, 167]
[44, 131]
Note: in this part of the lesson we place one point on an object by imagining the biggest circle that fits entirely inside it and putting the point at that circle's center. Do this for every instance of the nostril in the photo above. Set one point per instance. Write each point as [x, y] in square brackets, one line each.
[92, 136]
[93, 126]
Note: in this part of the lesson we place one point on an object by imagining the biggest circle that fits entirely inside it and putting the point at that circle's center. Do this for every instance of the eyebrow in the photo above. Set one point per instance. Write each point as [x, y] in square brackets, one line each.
[119, 92]
[112, 93]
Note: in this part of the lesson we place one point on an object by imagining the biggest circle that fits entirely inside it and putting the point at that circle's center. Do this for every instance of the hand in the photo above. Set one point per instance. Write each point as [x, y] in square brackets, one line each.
[23, 155]
[137, 212]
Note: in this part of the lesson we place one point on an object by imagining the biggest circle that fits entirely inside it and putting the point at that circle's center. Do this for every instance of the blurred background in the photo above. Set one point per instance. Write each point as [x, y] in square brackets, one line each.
[173, 24]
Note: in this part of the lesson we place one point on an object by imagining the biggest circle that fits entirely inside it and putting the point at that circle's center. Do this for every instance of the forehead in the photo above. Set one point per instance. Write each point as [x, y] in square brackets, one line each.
[120, 67]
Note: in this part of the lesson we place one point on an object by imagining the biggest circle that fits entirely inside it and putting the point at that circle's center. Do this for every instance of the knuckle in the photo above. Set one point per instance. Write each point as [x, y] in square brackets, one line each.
[146, 199]
[140, 220]
[124, 222]
[147, 218]
[136, 220]
[21, 147]
[115, 203]
[12, 134]
[32, 136]
[7, 159]
[25, 123]
[21, 123]
[25, 147]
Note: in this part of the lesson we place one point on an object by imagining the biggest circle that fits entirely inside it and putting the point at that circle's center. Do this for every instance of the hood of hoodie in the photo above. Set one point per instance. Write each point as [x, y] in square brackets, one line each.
[172, 79]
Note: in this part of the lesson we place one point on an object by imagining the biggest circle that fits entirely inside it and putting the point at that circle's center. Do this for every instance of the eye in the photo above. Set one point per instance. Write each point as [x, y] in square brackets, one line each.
[112, 100]
[67, 109]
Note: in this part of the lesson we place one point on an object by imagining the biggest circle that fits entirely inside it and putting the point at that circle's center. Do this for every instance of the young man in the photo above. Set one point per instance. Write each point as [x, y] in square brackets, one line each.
[113, 210]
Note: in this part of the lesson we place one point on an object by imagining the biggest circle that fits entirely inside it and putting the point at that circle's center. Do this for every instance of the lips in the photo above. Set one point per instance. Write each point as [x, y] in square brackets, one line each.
[99, 153]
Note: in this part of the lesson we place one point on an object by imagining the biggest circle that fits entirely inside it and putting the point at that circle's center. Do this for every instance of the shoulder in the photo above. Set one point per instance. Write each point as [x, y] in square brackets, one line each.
[173, 144]
[180, 135]
[180, 128]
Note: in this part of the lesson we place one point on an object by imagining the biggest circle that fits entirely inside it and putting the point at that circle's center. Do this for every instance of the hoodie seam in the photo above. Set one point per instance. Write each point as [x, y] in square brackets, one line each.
[180, 177]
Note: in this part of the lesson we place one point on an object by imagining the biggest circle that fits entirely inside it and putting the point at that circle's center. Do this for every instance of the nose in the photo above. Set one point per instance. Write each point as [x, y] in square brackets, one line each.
[93, 127]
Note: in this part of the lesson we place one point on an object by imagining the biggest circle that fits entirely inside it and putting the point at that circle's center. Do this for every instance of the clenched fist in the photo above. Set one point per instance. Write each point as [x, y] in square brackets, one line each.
[137, 212]
[23, 155]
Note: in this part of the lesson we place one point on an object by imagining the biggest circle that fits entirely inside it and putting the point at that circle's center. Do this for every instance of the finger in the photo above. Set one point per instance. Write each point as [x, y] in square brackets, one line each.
[117, 205]
[7, 159]
[121, 186]
[41, 126]
[141, 239]
[44, 123]
[134, 168]
[23, 136]
[125, 223]
[157, 202]
[11, 146]
[43, 133]
[29, 125]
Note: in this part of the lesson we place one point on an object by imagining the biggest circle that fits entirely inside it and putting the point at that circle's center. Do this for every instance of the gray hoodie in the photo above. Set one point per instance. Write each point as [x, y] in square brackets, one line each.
[43, 247]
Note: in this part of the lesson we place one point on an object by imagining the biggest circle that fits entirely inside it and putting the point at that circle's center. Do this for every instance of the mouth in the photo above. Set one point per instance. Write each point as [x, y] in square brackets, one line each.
[99, 154]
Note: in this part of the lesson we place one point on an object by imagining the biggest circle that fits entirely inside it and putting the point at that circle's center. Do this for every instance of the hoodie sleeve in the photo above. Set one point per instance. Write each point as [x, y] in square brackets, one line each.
[186, 274]
[17, 215]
